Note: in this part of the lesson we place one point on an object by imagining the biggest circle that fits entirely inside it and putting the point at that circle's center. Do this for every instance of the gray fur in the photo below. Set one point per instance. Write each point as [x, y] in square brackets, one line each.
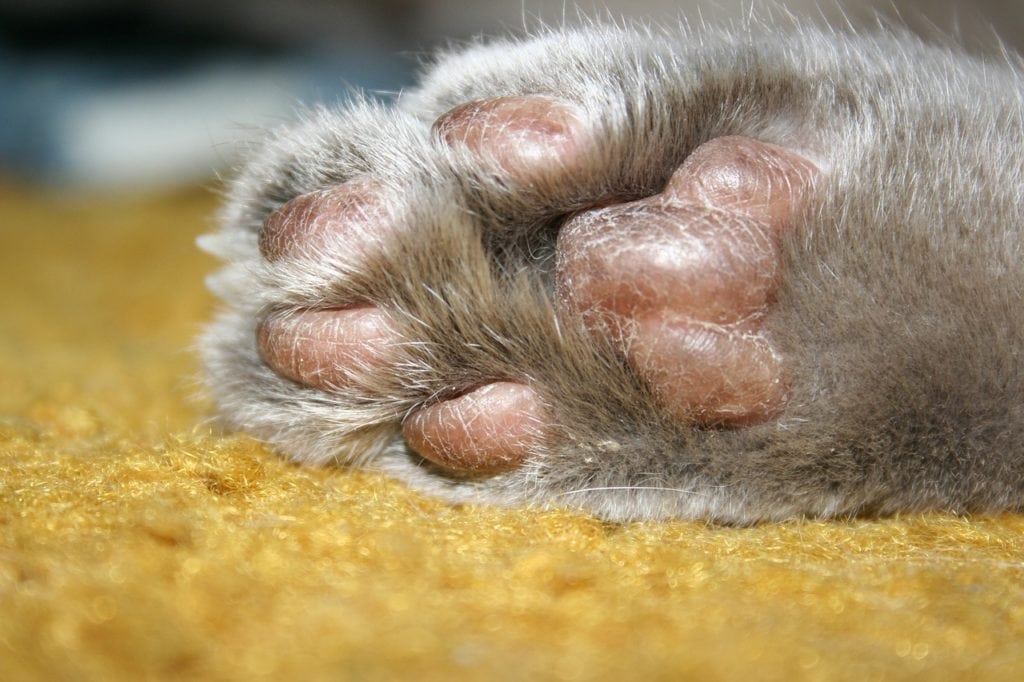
[900, 318]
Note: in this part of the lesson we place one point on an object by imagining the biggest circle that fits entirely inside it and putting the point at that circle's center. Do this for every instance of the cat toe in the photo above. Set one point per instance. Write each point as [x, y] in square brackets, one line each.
[326, 348]
[485, 431]
[348, 218]
[522, 138]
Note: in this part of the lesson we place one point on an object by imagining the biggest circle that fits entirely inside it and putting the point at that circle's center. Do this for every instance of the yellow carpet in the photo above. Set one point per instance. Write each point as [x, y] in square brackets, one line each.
[137, 545]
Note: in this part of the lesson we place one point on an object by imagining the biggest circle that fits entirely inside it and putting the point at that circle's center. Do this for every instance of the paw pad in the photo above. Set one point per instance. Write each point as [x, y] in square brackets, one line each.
[521, 137]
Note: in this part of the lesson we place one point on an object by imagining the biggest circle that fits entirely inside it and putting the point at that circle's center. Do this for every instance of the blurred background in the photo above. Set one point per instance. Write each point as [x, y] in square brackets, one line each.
[133, 94]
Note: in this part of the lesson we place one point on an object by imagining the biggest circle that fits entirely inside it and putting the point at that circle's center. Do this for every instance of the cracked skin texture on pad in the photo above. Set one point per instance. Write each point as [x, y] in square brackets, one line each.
[135, 543]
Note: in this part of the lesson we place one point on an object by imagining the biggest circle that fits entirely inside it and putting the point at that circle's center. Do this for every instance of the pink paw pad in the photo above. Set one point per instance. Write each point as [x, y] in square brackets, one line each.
[326, 347]
[349, 218]
[524, 138]
[488, 430]
[683, 279]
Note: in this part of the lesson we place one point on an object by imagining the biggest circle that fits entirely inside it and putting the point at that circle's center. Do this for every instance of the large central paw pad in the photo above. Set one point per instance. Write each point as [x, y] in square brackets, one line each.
[683, 279]
[679, 282]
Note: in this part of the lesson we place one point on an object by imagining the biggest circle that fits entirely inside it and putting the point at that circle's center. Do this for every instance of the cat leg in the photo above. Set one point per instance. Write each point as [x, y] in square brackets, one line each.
[646, 275]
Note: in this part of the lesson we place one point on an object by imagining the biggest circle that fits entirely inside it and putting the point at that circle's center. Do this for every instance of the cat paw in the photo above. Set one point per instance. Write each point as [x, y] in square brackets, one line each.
[678, 283]
[646, 274]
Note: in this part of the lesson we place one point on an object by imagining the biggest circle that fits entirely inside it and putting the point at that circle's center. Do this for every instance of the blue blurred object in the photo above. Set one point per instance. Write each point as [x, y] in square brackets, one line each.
[127, 111]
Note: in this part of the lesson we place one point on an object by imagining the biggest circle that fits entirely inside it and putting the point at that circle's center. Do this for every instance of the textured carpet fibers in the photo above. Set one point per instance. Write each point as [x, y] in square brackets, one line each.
[135, 544]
